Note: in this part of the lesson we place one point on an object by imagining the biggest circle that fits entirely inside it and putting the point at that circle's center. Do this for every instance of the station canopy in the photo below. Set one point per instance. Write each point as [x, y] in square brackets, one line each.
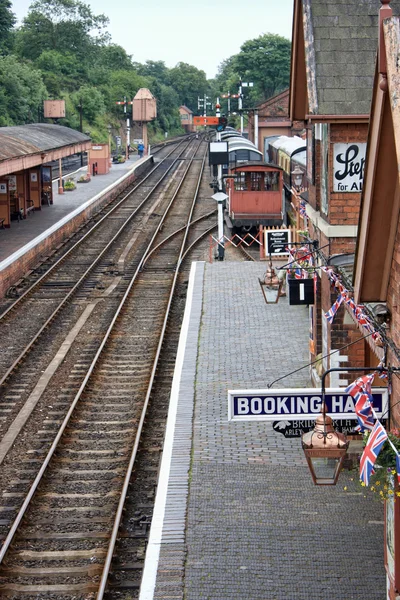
[26, 146]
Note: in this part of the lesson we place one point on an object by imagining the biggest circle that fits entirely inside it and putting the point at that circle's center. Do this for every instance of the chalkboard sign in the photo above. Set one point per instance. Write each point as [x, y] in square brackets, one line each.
[277, 241]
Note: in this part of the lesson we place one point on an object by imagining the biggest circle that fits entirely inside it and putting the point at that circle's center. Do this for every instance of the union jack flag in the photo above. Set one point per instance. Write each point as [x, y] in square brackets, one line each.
[300, 274]
[302, 208]
[360, 390]
[377, 438]
[398, 467]
[363, 408]
[330, 315]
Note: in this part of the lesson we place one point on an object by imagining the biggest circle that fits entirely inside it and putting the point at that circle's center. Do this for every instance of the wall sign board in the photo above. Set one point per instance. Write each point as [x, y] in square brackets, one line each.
[296, 404]
[348, 167]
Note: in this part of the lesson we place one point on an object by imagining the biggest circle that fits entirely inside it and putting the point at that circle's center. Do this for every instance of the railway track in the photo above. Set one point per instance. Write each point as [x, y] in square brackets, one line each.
[50, 291]
[64, 536]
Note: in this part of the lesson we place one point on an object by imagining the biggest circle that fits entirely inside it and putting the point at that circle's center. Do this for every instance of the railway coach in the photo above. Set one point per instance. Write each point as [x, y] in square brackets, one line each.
[254, 187]
[287, 153]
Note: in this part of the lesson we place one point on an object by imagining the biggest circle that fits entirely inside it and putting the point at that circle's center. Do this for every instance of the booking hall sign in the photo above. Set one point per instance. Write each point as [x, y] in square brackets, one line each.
[348, 167]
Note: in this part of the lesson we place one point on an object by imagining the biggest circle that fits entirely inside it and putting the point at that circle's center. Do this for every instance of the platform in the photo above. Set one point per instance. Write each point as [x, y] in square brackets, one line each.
[22, 232]
[30, 240]
[237, 516]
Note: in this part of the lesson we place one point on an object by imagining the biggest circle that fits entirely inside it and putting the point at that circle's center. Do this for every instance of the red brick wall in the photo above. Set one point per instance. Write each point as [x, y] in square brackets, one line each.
[341, 332]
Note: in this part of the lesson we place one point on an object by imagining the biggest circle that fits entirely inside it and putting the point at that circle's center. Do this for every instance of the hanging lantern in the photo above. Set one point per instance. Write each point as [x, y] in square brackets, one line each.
[325, 450]
[271, 286]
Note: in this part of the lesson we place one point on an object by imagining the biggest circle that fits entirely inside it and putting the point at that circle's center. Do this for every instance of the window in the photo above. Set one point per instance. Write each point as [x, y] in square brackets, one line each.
[271, 181]
[256, 181]
[240, 182]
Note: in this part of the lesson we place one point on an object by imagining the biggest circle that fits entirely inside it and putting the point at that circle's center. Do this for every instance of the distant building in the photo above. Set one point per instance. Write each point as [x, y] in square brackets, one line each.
[186, 118]
[273, 119]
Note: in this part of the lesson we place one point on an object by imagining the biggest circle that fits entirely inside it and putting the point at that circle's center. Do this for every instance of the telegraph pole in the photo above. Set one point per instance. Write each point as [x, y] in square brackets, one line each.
[81, 124]
[128, 127]
[242, 84]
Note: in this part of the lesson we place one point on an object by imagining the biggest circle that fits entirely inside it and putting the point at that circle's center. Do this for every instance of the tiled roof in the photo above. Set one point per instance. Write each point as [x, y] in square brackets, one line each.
[341, 43]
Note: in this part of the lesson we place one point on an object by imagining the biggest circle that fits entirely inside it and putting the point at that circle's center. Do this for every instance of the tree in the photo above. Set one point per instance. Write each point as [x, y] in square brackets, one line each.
[189, 83]
[266, 62]
[168, 118]
[92, 102]
[7, 22]
[21, 92]
[156, 69]
[120, 84]
[61, 25]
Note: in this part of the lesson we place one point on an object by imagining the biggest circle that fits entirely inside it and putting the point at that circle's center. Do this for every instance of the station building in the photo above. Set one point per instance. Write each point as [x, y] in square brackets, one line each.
[271, 119]
[25, 172]
[332, 77]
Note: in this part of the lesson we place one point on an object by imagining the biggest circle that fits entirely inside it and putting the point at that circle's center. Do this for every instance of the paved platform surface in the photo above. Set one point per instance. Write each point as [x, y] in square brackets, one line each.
[22, 232]
[237, 516]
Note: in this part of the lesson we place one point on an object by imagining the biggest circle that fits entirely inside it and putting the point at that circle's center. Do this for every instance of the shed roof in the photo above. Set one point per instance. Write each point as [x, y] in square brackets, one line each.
[24, 140]
[339, 42]
[380, 204]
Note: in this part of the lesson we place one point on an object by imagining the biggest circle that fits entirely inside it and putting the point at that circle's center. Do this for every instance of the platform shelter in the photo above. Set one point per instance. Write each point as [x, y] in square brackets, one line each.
[25, 173]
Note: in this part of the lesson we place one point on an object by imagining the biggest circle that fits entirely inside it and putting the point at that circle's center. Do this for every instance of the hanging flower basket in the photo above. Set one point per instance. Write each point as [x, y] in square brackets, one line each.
[300, 291]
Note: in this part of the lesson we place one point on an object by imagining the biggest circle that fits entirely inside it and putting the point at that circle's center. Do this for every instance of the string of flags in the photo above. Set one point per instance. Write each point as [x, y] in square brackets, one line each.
[302, 260]
[360, 390]
[357, 309]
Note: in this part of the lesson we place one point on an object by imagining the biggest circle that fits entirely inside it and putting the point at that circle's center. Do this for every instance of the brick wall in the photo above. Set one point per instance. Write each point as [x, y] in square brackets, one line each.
[11, 274]
[341, 332]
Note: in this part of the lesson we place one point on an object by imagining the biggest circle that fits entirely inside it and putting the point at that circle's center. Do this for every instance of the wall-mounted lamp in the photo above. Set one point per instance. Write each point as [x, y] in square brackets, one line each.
[297, 177]
[381, 313]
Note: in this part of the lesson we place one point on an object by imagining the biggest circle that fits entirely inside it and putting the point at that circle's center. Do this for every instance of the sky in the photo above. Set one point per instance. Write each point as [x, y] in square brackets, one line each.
[202, 34]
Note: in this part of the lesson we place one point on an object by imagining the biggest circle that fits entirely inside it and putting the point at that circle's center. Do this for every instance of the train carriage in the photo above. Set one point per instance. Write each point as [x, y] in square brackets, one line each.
[254, 187]
[255, 196]
[287, 152]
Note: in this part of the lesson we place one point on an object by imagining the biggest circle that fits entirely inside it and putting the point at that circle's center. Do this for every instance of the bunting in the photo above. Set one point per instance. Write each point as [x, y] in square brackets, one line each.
[357, 310]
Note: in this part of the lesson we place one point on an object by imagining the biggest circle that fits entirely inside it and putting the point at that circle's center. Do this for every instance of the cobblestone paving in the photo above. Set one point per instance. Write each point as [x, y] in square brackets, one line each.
[257, 528]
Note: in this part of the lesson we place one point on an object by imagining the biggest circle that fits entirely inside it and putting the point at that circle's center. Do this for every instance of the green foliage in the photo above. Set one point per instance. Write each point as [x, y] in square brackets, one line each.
[7, 22]
[121, 84]
[264, 61]
[22, 92]
[62, 25]
[189, 83]
[62, 50]
[69, 185]
[91, 100]
[155, 69]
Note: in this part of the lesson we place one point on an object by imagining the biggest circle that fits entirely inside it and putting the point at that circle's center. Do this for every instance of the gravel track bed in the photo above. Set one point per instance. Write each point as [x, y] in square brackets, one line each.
[132, 344]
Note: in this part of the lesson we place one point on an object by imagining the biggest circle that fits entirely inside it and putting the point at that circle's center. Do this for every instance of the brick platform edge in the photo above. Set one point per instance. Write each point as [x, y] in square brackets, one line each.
[13, 272]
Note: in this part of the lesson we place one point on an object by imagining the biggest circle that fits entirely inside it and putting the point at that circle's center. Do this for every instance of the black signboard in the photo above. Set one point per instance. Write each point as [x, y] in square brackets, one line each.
[278, 241]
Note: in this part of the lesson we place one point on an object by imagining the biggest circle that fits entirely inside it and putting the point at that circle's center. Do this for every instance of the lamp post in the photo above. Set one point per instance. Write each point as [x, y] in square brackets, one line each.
[109, 144]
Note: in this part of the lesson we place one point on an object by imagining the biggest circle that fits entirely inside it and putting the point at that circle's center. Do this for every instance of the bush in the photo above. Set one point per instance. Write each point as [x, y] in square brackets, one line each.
[69, 185]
